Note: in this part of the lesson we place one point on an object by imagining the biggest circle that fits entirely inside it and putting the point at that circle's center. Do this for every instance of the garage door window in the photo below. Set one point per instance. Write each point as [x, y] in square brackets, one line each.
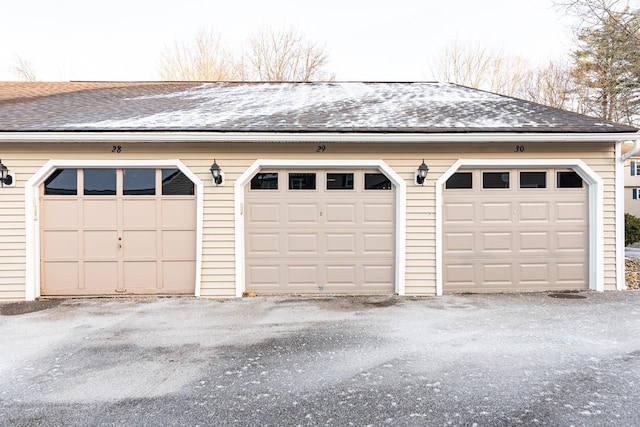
[533, 180]
[460, 181]
[339, 181]
[139, 182]
[302, 181]
[492, 180]
[99, 182]
[376, 181]
[265, 181]
[569, 180]
[62, 182]
[176, 183]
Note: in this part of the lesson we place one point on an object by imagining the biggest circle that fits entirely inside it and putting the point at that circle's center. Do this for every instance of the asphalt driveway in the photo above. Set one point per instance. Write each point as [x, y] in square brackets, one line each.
[496, 360]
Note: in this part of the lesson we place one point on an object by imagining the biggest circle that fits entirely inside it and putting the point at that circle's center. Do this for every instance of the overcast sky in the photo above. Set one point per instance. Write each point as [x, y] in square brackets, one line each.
[366, 40]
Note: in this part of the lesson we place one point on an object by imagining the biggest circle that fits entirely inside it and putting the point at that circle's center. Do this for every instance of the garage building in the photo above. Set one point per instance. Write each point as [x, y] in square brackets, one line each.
[216, 189]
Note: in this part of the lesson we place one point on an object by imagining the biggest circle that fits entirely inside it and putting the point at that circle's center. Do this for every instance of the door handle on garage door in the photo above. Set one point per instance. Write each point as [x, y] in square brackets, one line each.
[119, 242]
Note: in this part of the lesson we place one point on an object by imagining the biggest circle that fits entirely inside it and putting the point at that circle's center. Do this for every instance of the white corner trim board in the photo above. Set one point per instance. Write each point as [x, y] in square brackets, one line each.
[596, 208]
[401, 200]
[32, 285]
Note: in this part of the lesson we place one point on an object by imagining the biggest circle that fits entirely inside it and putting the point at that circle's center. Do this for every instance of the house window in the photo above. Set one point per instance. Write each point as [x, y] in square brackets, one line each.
[635, 193]
[635, 168]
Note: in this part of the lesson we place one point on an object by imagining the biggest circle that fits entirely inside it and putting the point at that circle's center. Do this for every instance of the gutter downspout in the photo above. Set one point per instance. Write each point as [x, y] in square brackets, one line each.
[634, 149]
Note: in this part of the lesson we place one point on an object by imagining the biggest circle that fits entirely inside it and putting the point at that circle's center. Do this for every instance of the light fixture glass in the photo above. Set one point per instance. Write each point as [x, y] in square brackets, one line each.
[216, 173]
[422, 173]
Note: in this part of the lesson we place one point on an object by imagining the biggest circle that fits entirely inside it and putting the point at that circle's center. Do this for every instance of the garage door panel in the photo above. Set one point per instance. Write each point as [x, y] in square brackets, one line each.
[457, 212]
[178, 276]
[302, 213]
[100, 244]
[140, 275]
[302, 276]
[497, 242]
[58, 244]
[101, 275]
[572, 241]
[460, 274]
[263, 243]
[377, 243]
[302, 244]
[459, 242]
[571, 273]
[343, 213]
[534, 212]
[341, 243]
[378, 275]
[497, 212]
[261, 276]
[178, 244]
[340, 276]
[140, 244]
[100, 213]
[139, 213]
[498, 274]
[378, 213]
[60, 214]
[263, 213]
[534, 274]
[571, 212]
[534, 241]
[63, 276]
[178, 213]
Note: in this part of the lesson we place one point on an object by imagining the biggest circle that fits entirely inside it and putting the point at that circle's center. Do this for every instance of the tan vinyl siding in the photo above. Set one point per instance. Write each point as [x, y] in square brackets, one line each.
[219, 254]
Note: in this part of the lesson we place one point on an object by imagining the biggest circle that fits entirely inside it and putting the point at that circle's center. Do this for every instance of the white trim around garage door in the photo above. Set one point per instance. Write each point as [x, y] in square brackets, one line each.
[32, 212]
[596, 209]
[400, 202]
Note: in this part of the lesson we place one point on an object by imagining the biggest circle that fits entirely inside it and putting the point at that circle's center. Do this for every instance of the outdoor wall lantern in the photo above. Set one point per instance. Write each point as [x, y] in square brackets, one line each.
[216, 173]
[5, 178]
[421, 175]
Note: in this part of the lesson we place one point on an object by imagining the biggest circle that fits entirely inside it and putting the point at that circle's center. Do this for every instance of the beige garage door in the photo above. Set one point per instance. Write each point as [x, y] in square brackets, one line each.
[515, 230]
[321, 231]
[118, 231]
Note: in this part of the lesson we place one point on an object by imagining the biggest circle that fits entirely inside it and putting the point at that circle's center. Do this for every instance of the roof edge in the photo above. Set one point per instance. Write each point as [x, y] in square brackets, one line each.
[204, 137]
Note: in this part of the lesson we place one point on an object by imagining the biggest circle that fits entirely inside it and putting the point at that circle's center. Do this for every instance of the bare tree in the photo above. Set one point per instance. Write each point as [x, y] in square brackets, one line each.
[597, 12]
[285, 55]
[23, 70]
[204, 59]
[481, 68]
[552, 85]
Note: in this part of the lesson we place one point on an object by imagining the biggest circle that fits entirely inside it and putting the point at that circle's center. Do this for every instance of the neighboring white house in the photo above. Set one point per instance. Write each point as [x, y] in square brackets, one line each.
[632, 186]
[215, 189]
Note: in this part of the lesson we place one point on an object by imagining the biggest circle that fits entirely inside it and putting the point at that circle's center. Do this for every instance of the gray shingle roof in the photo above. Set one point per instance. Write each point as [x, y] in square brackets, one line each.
[279, 107]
